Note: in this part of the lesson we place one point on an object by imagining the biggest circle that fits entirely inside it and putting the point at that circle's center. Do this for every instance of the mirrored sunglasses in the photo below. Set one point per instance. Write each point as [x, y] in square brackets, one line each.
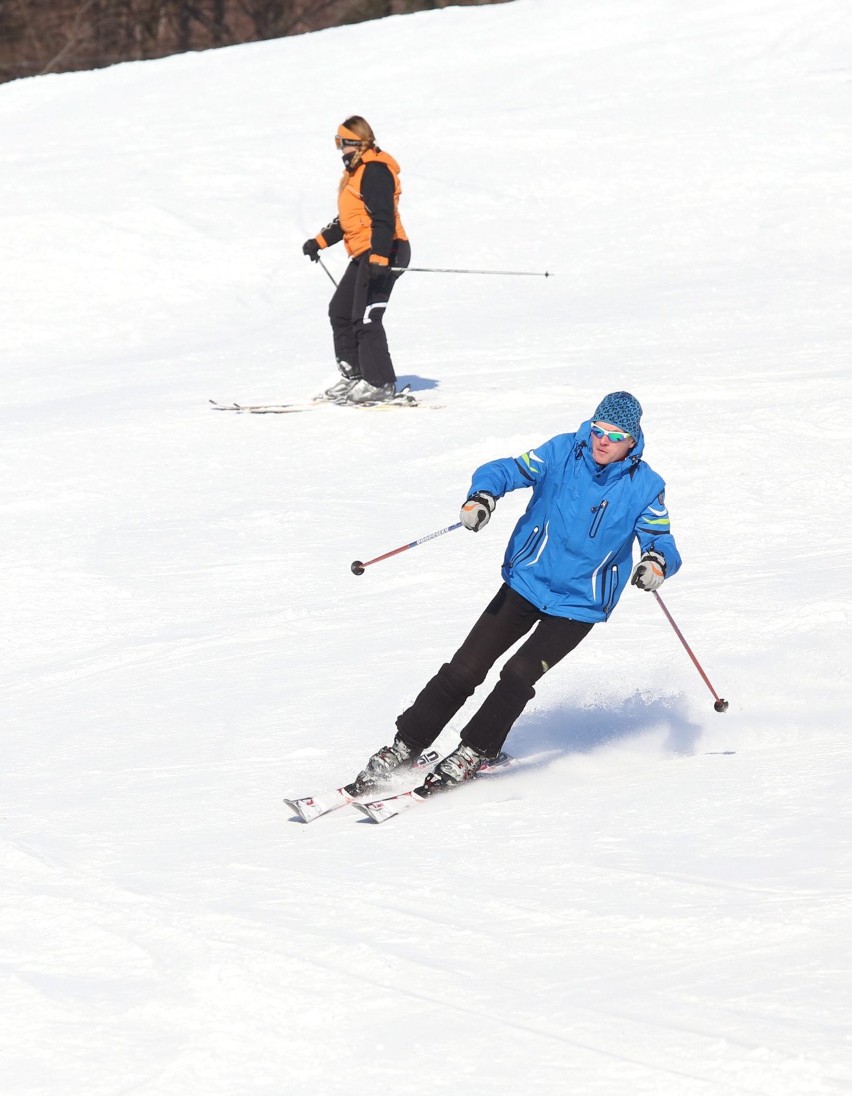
[346, 142]
[613, 435]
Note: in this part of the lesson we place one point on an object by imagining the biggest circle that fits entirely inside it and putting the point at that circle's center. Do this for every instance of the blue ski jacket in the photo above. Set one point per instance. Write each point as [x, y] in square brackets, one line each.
[571, 552]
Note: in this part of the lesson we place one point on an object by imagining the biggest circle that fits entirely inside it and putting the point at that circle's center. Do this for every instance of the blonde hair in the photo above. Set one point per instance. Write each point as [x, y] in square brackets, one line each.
[362, 127]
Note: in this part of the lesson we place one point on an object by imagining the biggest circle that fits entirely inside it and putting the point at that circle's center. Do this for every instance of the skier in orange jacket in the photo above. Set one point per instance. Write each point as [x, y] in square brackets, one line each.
[368, 224]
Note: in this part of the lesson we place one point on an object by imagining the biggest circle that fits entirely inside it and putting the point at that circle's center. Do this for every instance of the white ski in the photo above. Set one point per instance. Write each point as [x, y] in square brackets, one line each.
[403, 398]
[315, 806]
[380, 810]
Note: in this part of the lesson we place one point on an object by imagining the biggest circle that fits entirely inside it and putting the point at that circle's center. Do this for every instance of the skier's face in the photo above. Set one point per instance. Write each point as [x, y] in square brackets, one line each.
[351, 150]
[606, 451]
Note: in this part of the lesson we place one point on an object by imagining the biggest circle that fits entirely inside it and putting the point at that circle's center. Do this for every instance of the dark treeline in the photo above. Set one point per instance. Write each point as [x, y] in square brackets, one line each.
[41, 36]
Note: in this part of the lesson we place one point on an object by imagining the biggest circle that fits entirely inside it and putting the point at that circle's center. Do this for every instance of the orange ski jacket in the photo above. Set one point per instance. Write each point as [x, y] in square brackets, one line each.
[368, 209]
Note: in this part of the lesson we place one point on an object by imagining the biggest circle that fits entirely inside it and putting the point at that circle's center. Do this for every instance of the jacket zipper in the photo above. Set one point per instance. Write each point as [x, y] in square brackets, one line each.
[598, 512]
[612, 591]
[525, 549]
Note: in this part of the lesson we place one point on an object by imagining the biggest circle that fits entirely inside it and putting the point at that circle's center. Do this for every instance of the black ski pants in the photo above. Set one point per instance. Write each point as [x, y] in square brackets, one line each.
[357, 314]
[507, 618]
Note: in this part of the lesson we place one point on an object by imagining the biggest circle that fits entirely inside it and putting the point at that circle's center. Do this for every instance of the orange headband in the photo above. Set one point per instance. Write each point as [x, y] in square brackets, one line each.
[350, 135]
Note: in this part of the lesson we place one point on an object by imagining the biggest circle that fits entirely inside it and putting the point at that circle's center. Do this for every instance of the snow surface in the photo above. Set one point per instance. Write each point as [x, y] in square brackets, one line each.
[663, 908]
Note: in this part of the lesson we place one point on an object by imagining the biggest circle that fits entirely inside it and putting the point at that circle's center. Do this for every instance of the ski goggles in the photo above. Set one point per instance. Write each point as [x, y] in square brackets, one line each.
[612, 435]
[346, 142]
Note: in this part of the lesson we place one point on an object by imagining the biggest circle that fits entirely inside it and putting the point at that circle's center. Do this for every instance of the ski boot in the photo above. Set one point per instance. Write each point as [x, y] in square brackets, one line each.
[364, 392]
[460, 765]
[382, 766]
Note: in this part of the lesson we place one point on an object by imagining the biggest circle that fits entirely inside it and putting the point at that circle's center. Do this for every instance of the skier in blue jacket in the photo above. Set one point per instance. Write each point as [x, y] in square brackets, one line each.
[566, 566]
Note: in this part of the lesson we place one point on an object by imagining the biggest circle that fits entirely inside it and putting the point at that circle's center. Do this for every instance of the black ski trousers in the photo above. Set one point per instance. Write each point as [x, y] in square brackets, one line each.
[357, 314]
[507, 618]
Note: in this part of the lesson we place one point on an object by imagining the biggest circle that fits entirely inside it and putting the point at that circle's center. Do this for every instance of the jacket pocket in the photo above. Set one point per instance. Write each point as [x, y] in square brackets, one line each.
[609, 588]
[526, 549]
[597, 517]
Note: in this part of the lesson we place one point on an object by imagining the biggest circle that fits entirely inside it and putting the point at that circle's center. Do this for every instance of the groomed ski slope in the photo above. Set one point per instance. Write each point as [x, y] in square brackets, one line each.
[662, 909]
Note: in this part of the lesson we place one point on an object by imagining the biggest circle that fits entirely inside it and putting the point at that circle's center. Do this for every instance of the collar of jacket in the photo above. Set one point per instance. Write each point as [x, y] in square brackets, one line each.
[375, 154]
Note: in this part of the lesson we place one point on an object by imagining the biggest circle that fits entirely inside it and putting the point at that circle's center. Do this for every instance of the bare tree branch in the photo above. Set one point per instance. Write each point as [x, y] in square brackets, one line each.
[72, 40]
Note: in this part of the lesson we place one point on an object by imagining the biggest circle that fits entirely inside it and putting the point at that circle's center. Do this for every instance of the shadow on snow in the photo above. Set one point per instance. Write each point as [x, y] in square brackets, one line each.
[566, 730]
[415, 383]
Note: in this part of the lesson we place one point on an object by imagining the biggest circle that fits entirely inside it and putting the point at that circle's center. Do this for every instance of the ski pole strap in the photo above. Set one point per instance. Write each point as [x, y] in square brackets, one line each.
[357, 566]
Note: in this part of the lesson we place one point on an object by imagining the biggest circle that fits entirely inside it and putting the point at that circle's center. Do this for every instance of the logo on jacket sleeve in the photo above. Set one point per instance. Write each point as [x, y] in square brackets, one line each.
[528, 459]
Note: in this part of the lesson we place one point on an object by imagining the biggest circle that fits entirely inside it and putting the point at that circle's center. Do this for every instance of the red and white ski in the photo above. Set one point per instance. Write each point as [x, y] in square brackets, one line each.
[380, 810]
[315, 806]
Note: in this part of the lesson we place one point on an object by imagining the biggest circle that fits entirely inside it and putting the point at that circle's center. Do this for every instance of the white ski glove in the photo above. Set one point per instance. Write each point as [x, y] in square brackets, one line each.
[649, 571]
[477, 510]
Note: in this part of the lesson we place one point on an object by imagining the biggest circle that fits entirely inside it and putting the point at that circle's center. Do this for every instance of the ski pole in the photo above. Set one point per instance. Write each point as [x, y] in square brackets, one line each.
[508, 273]
[325, 268]
[720, 705]
[358, 567]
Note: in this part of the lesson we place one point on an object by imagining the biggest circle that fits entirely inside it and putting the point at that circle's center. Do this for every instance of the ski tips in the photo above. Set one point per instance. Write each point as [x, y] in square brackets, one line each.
[382, 809]
[364, 809]
[294, 807]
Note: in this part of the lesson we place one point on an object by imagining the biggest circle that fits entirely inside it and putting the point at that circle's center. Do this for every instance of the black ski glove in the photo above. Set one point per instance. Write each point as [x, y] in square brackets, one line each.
[477, 511]
[649, 572]
[312, 249]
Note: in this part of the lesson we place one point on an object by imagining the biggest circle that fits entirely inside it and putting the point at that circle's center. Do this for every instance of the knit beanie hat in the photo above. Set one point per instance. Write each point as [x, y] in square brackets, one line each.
[622, 410]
